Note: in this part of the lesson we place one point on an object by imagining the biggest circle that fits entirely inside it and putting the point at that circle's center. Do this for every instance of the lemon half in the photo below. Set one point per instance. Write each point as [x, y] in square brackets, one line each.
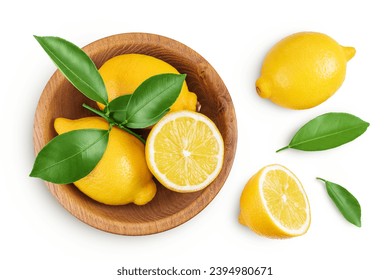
[274, 204]
[185, 151]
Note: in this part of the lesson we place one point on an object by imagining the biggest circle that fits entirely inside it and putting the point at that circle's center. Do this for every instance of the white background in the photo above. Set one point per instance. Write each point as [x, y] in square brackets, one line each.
[39, 239]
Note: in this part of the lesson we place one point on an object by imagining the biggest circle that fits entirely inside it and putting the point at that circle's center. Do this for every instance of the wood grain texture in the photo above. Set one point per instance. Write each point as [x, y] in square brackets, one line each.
[168, 209]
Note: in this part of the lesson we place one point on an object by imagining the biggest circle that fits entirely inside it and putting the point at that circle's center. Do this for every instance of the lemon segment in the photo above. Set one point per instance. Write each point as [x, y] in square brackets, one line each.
[122, 74]
[274, 204]
[185, 151]
[121, 176]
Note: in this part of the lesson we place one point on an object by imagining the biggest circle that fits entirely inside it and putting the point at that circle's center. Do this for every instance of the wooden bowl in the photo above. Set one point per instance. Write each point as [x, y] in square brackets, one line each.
[168, 209]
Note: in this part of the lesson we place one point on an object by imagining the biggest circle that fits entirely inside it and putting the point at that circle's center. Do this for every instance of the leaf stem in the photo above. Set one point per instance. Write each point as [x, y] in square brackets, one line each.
[112, 122]
[139, 137]
[281, 149]
[323, 180]
[98, 112]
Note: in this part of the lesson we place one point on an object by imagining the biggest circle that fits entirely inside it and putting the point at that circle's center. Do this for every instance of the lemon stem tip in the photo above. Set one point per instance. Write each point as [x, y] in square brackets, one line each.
[262, 88]
[259, 92]
[349, 52]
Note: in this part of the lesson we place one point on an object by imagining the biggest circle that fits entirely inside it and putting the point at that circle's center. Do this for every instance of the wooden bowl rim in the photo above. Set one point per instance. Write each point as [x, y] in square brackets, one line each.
[100, 222]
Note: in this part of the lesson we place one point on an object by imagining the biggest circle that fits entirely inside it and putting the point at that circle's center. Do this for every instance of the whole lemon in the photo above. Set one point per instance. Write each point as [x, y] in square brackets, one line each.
[121, 176]
[303, 70]
[122, 74]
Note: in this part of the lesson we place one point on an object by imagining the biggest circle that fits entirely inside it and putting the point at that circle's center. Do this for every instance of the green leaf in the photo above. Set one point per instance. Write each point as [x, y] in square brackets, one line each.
[149, 102]
[327, 131]
[112, 122]
[118, 107]
[70, 156]
[347, 204]
[76, 66]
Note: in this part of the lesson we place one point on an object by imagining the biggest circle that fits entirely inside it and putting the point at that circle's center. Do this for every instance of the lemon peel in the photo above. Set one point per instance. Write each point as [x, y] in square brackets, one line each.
[303, 70]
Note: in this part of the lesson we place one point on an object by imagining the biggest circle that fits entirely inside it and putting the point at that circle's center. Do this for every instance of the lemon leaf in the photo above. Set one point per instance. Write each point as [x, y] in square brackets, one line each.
[76, 66]
[327, 131]
[70, 156]
[118, 108]
[347, 204]
[149, 102]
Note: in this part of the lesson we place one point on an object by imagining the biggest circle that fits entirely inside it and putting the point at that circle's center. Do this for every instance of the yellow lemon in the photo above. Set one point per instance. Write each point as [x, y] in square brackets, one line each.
[274, 204]
[121, 176]
[185, 151]
[122, 74]
[303, 70]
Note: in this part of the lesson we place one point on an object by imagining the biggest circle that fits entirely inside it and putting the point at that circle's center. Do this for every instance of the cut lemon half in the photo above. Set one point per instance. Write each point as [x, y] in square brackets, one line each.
[274, 203]
[184, 151]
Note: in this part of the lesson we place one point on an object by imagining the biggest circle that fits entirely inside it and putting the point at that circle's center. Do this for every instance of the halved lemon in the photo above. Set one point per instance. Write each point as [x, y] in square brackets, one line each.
[185, 151]
[274, 203]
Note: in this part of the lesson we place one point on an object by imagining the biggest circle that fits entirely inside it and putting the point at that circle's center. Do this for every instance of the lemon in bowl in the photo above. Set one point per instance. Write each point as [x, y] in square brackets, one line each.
[185, 151]
[122, 74]
[121, 176]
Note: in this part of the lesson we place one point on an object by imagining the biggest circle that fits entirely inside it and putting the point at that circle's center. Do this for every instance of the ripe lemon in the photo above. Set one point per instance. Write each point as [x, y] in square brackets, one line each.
[121, 176]
[185, 151]
[122, 74]
[303, 70]
[274, 204]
